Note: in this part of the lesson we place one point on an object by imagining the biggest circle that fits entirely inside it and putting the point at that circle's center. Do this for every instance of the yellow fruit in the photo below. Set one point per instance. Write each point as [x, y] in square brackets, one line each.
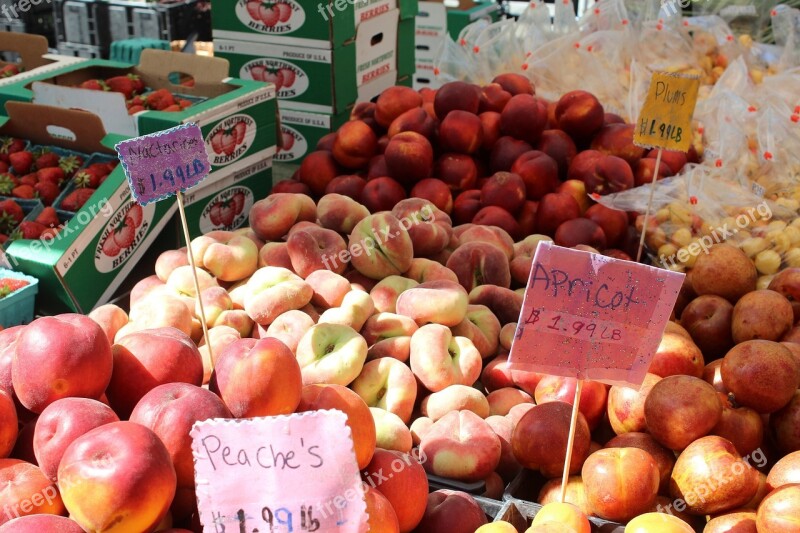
[768, 262]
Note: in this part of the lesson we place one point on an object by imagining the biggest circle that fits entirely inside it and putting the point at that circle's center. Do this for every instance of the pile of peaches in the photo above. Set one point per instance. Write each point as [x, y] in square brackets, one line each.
[496, 155]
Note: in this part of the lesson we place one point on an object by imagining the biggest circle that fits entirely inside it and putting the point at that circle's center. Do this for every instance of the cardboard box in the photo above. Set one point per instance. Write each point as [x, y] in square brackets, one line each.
[406, 53]
[315, 80]
[451, 16]
[75, 271]
[305, 23]
[221, 101]
[34, 58]
[301, 131]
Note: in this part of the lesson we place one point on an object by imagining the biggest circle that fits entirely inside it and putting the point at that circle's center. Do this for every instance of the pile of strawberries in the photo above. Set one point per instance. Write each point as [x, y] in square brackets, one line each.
[13, 226]
[9, 70]
[133, 88]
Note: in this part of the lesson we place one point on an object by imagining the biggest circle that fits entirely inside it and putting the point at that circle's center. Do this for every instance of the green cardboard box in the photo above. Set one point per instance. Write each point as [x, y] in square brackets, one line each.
[406, 40]
[306, 23]
[302, 130]
[316, 80]
[467, 12]
[34, 58]
[86, 262]
[220, 101]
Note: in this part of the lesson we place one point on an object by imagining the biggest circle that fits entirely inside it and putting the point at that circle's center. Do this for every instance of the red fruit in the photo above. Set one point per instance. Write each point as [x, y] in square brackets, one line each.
[87, 178]
[132, 110]
[159, 99]
[276, 77]
[258, 72]
[11, 214]
[28, 179]
[288, 74]
[76, 199]
[135, 214]
[228, 142]
[123, 84]
[253, 8]
[47, 192]
[216, 142]
[227, 214]
[9, 285]
[9, 70]
[4, 168]
[53, 175]
[215, 214]
[25, 192]
[9, 146]
[50, 233]
[48, 218]
[238, 202]
[239, 131]
[270, 15]
[70, 164]
[94, 85]
[47, 159]
[28, 229]
[284, 12]
[21, 162]
[110, 246]
[125, 234]
[7, 184]
[174, 108]
[184, 103]
[101, 168]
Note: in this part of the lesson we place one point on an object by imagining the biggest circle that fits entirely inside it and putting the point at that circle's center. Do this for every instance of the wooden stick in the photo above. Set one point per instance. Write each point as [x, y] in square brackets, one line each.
[649, 205]
[185, 224]
[571, 440]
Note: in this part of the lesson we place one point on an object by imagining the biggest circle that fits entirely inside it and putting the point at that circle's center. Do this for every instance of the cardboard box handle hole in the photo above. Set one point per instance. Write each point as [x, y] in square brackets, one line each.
[181, 79]
[61, 133]
[376, 39]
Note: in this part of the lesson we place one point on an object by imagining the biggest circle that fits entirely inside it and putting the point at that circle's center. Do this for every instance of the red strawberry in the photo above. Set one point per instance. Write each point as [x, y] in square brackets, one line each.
[125, 234]
[136, 100]
[258, 72]
[226, 214]
[160, 99]
[174, 108]
[48, 217]
[21, 162]
[24, 192]
[94, 85]
[11, 215]
[284, 11]
[228, 142]
[288, 77]
[9, 146]
[28, 229]
[10, 285]
[252, 9]
[3, 238]
[184, 103]
[110, 246]
[87, 177]
[238, 202]
[70, 164]
[239, 131]
[8, 71]
[54, 175]
[76, 199]
[214, 214]
[29, 179]
[269, 14]
[216, 142]
[47, 159]
[126, 85]
[4, 167]
[47, 192]
[136, 109]
[134, 215]
[7, 183]
[188, 83]
[288, 140]
[276, 77]
[50, 233]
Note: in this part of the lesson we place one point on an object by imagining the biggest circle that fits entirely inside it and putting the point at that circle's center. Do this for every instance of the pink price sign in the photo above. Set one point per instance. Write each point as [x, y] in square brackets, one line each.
[280, 474]
[161, 164]
[592, 317]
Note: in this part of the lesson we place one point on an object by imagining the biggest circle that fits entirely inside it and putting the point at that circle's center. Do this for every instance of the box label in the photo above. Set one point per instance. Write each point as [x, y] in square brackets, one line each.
[289, 79]
[230, 139]
[279, 18]
[227, 210]
[294, 146]
[666, 117]
[122, 235]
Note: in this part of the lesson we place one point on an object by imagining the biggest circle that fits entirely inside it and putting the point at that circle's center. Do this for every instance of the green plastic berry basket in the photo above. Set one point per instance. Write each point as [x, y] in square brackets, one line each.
[17, 308]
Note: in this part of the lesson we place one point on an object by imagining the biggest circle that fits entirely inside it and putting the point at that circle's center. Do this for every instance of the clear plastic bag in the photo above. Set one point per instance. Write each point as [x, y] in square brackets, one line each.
[452, 63]
[604, 15]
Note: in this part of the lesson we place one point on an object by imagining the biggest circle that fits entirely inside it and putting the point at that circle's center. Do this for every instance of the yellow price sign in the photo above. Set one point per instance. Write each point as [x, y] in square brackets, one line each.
[666, 117]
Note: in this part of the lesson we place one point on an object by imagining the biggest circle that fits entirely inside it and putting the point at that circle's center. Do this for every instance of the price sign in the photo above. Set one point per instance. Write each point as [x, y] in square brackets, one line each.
[161, 164]
[282, 474]
[593, 317]
[666, 117]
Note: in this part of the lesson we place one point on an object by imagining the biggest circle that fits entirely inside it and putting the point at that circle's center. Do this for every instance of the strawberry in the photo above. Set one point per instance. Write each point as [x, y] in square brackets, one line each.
[136, 100]
[8, 71]
[9, 146]
[13, 284]
[50, 233]
[258, 72]
[276, 77]
[172, 108]
[29, 179]
[47, 159]
[228, 142]
[132, 110]
[269, 14]
[102, 169]
[4, 167]
[94, 85]
[160, 99]
[70, 164]
[188, 83]
[226, 214]
[126, 85]
[288, 76]
[28, 229]
[216, 142]
[48, 218]
[47, 192]
[184, 103]
[76, 199]
[110, 246]
[125, 234]
[238, 202]
[239, 131]
[87, 177]
[215, 214]
[24, 192]
[54, 175]
[252, 9]
[134, 215]
[7, 183]
[11, 215]
[21, 162]
[3, 238]
[284, 11]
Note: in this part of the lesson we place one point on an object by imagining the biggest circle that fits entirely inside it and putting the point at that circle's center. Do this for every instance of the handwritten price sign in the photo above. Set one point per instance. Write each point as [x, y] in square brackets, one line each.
[666, 117]
[593, 317]
[282, 474]
[161, 164]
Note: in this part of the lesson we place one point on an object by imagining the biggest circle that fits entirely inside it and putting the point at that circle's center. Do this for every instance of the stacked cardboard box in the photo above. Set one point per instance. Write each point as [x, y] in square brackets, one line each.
[323, 57]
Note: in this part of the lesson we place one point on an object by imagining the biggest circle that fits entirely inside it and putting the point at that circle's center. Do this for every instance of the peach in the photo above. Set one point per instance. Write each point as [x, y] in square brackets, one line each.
[502, 400]
[8, 343]
[539, 173]
[555, 209]
[423, 270]
[216, 300]
[762, 374]
[610, 174]
[505, 152]
[488, 234]
[481, 327]
[219, 338]
[505, 190]
[272, 217]
[275, 254]
[381, 194]
[381, 515]
[331, 353]
[621, 483]
[315, 249]
[454, 398]
[524, 118]
[250, 234]
[438, 359]
[289, 328]
[514, 83]
[507, 334]
[725, 271]
[435, 191]
[493, 98]
[461, 446]
[355, 144]
[148, 358]
[762, 314]
[460, 132]
[504, 303]
[272, 291]
[503, 427]
[386, 292]
[365, 111]
[60, 356]
[563, 513]
[377, 165]
[428, 227]
[169, 261]
[349, 186]
[645, 170]
[419, 427]
[442, 302]
[451, 511]
[145, 287]
[359, 419]
[664, 458]
[580, 114]
[466, 206]
[522, 261]
[292, 185]
[122, 459]
[559, 388]
[626, 406]
[340, 213]
[380, 246]
[110, 318]
[388, 335]
[9, 424]
[393, 102]
[231, 259]
[674, 160]
[391, 432]
[454, 96]
[613, 222]
[580, 231]
[496, 374]
[356, 308]
[406, 489]
[389, 384]
[560, 147]
[458, 171]
[416, 120]
[478, 263]
[490, 121]
[617, 140]
[26, 491]
[409, 157]
[329, 288]
[41, 522]
[316, 171]
[236, 319]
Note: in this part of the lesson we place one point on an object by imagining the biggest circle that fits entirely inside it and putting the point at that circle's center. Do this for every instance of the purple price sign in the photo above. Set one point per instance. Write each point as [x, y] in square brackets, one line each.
[161, 164]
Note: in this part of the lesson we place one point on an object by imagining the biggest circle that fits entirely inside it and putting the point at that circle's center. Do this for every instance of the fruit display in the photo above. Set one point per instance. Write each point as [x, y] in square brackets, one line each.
[137, 96]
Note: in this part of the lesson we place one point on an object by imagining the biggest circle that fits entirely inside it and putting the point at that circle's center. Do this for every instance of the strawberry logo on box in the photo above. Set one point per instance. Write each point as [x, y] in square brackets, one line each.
[230, 138]
[274, 16]
[294, 146]
[122, 235]
[289, 79]
[227, 210]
